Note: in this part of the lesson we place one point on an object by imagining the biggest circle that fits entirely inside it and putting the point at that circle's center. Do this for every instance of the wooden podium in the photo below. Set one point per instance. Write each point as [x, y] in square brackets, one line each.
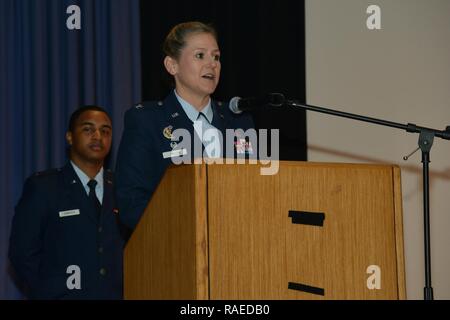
[312, 231]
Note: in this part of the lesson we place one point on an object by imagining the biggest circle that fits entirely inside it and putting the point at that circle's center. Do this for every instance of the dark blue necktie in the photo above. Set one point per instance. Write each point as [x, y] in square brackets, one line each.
[204, 116]
[93, 197]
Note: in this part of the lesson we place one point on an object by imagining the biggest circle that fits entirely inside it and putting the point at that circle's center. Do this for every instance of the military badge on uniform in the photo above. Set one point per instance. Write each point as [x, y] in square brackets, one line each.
[243, 147]
[167, 132]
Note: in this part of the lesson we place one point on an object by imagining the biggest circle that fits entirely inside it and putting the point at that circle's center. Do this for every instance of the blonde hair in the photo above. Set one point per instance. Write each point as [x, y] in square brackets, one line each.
[176, 39]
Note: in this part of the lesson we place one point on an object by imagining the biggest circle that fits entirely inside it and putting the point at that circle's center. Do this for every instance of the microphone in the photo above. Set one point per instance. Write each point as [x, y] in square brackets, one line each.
[238, 105]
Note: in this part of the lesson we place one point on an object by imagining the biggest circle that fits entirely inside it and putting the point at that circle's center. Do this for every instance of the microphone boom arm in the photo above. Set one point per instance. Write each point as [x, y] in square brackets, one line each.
[410, 127]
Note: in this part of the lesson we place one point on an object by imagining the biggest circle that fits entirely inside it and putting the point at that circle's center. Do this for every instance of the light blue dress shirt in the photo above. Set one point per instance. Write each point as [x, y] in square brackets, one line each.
[194, 115]
[85, 179]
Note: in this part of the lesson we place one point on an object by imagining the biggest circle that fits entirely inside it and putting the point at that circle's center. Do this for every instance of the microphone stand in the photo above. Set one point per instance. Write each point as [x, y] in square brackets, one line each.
[426, 138]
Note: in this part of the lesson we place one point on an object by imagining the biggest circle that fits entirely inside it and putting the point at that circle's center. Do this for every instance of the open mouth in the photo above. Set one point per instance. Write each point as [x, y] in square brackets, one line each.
[209, 76]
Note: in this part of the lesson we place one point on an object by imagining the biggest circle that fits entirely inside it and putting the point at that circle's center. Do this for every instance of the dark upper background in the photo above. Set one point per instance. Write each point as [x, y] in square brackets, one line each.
[262, 47]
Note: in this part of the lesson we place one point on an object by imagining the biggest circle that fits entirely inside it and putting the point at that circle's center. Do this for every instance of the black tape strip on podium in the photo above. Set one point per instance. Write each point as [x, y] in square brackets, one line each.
[305, 288]
[309, 218]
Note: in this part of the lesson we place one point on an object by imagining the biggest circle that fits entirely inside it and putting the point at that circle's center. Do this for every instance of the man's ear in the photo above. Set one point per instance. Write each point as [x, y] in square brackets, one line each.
[69, 137]
[171, 65]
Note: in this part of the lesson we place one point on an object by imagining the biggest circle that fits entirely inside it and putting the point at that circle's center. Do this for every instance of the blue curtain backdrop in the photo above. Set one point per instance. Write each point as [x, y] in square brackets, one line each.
[46, 72]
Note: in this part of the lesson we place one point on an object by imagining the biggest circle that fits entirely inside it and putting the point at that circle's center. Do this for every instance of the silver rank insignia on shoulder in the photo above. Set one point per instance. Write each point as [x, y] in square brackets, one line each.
[139, 106]
[167, 132]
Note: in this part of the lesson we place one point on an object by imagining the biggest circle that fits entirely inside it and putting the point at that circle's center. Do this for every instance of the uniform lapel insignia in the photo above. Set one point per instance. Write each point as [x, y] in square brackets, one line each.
[174, 115]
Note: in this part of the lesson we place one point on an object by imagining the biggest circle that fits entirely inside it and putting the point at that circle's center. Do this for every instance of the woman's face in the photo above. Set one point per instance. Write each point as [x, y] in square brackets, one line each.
[197, 69]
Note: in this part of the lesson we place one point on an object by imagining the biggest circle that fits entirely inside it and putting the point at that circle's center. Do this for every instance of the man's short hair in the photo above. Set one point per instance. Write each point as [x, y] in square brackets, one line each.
[78, 112]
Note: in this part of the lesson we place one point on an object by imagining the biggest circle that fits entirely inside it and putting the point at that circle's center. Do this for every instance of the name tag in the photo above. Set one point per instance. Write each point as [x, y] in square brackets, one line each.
[69, 213]
[174, 153]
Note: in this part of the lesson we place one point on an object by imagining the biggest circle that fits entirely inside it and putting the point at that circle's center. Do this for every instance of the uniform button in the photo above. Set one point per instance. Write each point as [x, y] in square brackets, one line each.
[100, 249]
[102, 271]
[100, 229]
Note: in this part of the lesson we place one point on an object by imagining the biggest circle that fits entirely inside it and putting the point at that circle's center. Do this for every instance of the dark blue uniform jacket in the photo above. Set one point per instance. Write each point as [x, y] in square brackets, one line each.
[45, 240]
[140, 162]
